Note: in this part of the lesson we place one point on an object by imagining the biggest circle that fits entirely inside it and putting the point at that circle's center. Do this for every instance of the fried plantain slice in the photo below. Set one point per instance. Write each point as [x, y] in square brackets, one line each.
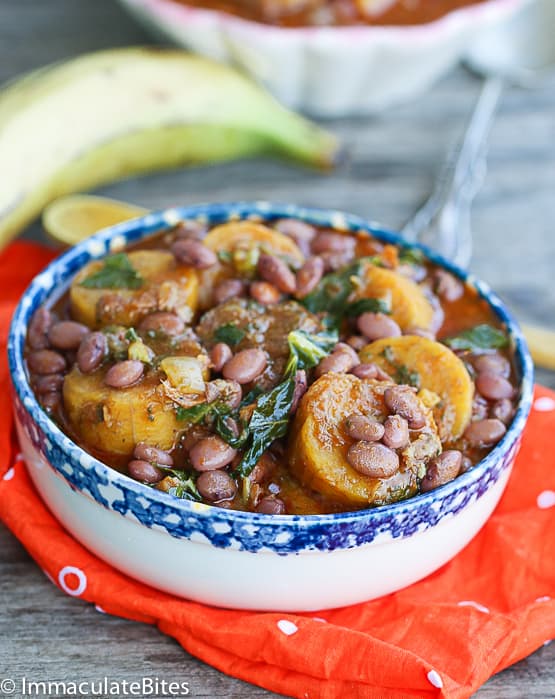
[439, 370]
[238, 245]
[409, 306]
[114, 420]
[166, 286]
[319, 443]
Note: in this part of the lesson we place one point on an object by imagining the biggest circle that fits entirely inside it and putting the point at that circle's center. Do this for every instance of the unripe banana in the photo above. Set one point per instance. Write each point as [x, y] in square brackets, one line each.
[117, 113]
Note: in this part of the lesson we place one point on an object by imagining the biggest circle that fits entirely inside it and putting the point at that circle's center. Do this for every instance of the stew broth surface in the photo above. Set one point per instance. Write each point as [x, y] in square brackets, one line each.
[275, 367]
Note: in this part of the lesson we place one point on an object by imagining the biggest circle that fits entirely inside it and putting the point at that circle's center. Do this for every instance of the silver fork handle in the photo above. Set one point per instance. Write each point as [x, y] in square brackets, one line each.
[457, 184]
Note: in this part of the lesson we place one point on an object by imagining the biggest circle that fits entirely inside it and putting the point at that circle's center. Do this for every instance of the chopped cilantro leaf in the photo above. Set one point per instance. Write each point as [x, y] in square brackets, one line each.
[117, 273]
[412, 256]
[361, 306]
[482, 337]
[230, 334]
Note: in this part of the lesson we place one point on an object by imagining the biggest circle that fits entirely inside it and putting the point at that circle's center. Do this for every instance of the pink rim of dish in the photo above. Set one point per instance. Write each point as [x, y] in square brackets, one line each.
[175, 12]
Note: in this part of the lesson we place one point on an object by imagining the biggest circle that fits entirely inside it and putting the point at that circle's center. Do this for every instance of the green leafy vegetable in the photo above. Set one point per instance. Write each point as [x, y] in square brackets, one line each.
[117, 342]
[331, 294]
[131, 335]
[225, 256]
[237, 441]
[230, 334]
[117, 273]
[361, 306]
[269, 422]
[481, 337]
[270, 418]
[216, 412]
[186, 488]
[412, 256]
[403, 374]
[407, 377]
[306, 350]
[194, 414]
[251, 396]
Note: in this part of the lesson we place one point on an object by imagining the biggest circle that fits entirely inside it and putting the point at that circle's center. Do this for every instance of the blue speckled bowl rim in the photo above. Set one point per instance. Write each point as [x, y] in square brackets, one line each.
[115, 237]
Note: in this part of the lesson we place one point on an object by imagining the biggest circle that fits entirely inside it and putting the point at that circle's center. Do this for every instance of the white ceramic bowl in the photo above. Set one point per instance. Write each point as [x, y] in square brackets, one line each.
[242, 559]
[330, 71]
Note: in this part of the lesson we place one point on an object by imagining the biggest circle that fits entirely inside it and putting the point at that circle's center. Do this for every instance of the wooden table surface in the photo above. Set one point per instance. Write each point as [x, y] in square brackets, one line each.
[392, 162]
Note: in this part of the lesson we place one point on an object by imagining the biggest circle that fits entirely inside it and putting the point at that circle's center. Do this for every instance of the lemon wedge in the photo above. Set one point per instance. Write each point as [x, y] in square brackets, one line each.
[70, 219]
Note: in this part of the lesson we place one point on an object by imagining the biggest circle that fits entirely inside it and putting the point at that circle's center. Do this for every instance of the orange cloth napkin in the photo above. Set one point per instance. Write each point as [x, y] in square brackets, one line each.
[442, 637]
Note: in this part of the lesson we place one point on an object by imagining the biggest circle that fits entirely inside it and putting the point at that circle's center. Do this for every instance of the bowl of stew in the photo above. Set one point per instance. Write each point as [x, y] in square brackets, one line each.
[263, 406]
[332, 57]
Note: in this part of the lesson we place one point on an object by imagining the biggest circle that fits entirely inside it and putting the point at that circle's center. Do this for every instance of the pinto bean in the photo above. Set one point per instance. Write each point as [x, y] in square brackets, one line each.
[189, 251]
[396, 432]
[377, 325]
[37, 333]
[333, 242]
[51, 402]
[466, 464]
[45, 361]
[382, 375]
[274, 270]
[161, 321]
[219, 355]
[421, 332]
[146, 452]
[296, 229]
[493, 364]
[91, 352]
[216, 486]
[278, 449]
[344, 347]
[264, 293]
[191, 229]
[402, 401]
[480, 407]
[229, 392]
[447, 286]
[47, 383]
[338, 362]
[334, 261]
[438, 316]
[232, 425]
[124, 374]
[309, 276]
[245, 366]
[441, 469]
[232, 394]
[365, 371]
[271, 505]
[503, 410]
[494, 386]
[302, 233]
[484, 433]
[228, 289]
[144, 471]
[264, 468]
[361, 427]
[357, 342]
[373, 459]
[67, 334]
[211, 453]
[301, 386]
